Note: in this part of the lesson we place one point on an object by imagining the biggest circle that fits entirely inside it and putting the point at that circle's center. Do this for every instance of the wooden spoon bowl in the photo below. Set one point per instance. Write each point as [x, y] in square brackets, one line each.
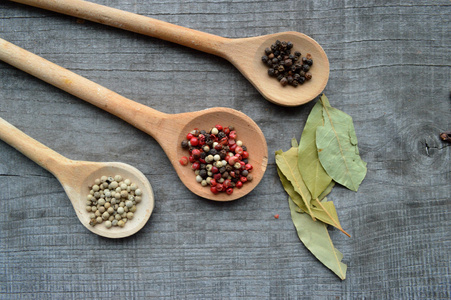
[167, 129]
[244, 53]
[77, 177]
[247, 131]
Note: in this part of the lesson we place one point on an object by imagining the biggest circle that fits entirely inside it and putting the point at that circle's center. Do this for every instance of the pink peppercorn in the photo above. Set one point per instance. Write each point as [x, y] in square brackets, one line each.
[214, 190]
[183, 161]
[194, 141]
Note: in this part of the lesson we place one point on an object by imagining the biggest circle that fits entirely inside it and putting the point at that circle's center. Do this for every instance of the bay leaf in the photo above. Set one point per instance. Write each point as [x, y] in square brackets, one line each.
[288, 187]
[287, 163]
[326, 191]
[315, 177]
[316, 238]
[324, 212]
[294, 143]
[338, 153]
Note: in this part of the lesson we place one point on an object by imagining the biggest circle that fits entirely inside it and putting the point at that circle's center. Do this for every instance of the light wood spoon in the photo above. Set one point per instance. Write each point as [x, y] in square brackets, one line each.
[244, 53]
[167, 129]
[77, 176]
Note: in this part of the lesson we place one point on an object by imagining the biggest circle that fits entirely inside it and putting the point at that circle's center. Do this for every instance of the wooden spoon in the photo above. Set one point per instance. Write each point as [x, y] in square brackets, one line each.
[244, 53]
[77, 176]
[167, 129]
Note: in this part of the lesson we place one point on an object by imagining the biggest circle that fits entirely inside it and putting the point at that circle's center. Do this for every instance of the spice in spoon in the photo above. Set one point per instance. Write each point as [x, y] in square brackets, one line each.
[112, 201]
[288, 69]
[219, 160]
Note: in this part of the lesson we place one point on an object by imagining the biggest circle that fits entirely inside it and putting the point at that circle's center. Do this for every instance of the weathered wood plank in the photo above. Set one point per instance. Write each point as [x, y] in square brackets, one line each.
[390, 70]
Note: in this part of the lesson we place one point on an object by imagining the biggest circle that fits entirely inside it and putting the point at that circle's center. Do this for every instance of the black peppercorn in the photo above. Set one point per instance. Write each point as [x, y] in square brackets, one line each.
[271, 72]
[264, 58]
[308, 76]
[222, 154]
[268, 51]
[203, 173]
[309, 62]
[184, 144]
[297, 53]
[284, 81]
[305, 68]
[275, 60]
[280, 77]
[295, 83]
[289, 45]
[288, 62]
[290, 79]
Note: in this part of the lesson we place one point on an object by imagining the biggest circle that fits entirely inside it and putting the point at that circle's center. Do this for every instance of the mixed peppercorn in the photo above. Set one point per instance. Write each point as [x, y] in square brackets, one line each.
[289, 69]
[112, 201]
[219, 160]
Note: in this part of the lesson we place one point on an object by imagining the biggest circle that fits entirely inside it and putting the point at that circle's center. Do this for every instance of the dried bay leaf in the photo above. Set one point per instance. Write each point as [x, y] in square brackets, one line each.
[316, 238]
[323, 211]
[338, 153]
[287, 164]
[295, 197]
[315, 177]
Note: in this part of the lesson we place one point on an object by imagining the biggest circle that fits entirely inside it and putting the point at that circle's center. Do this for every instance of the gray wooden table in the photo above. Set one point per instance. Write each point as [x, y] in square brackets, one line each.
[390, 70]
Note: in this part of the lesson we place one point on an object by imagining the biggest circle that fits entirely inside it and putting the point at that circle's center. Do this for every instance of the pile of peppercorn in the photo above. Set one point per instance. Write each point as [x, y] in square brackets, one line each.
[217, 158]
[291, 69]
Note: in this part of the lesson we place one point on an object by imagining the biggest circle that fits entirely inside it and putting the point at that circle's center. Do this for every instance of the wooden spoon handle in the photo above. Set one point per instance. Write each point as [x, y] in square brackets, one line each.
[34, 150]
[140, 116]
[133, 22]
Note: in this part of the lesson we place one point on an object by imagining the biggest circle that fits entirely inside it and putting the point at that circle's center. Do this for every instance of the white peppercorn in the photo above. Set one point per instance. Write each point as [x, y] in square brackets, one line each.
[112, 200]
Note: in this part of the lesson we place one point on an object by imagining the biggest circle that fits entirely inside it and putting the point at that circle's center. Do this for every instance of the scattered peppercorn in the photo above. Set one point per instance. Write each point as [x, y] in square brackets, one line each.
[112, 201]
[287, 68]
[218, 159]
[446, 136]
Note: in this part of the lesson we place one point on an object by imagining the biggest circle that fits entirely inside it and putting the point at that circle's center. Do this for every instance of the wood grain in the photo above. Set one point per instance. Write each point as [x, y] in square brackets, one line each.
[389, 69]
